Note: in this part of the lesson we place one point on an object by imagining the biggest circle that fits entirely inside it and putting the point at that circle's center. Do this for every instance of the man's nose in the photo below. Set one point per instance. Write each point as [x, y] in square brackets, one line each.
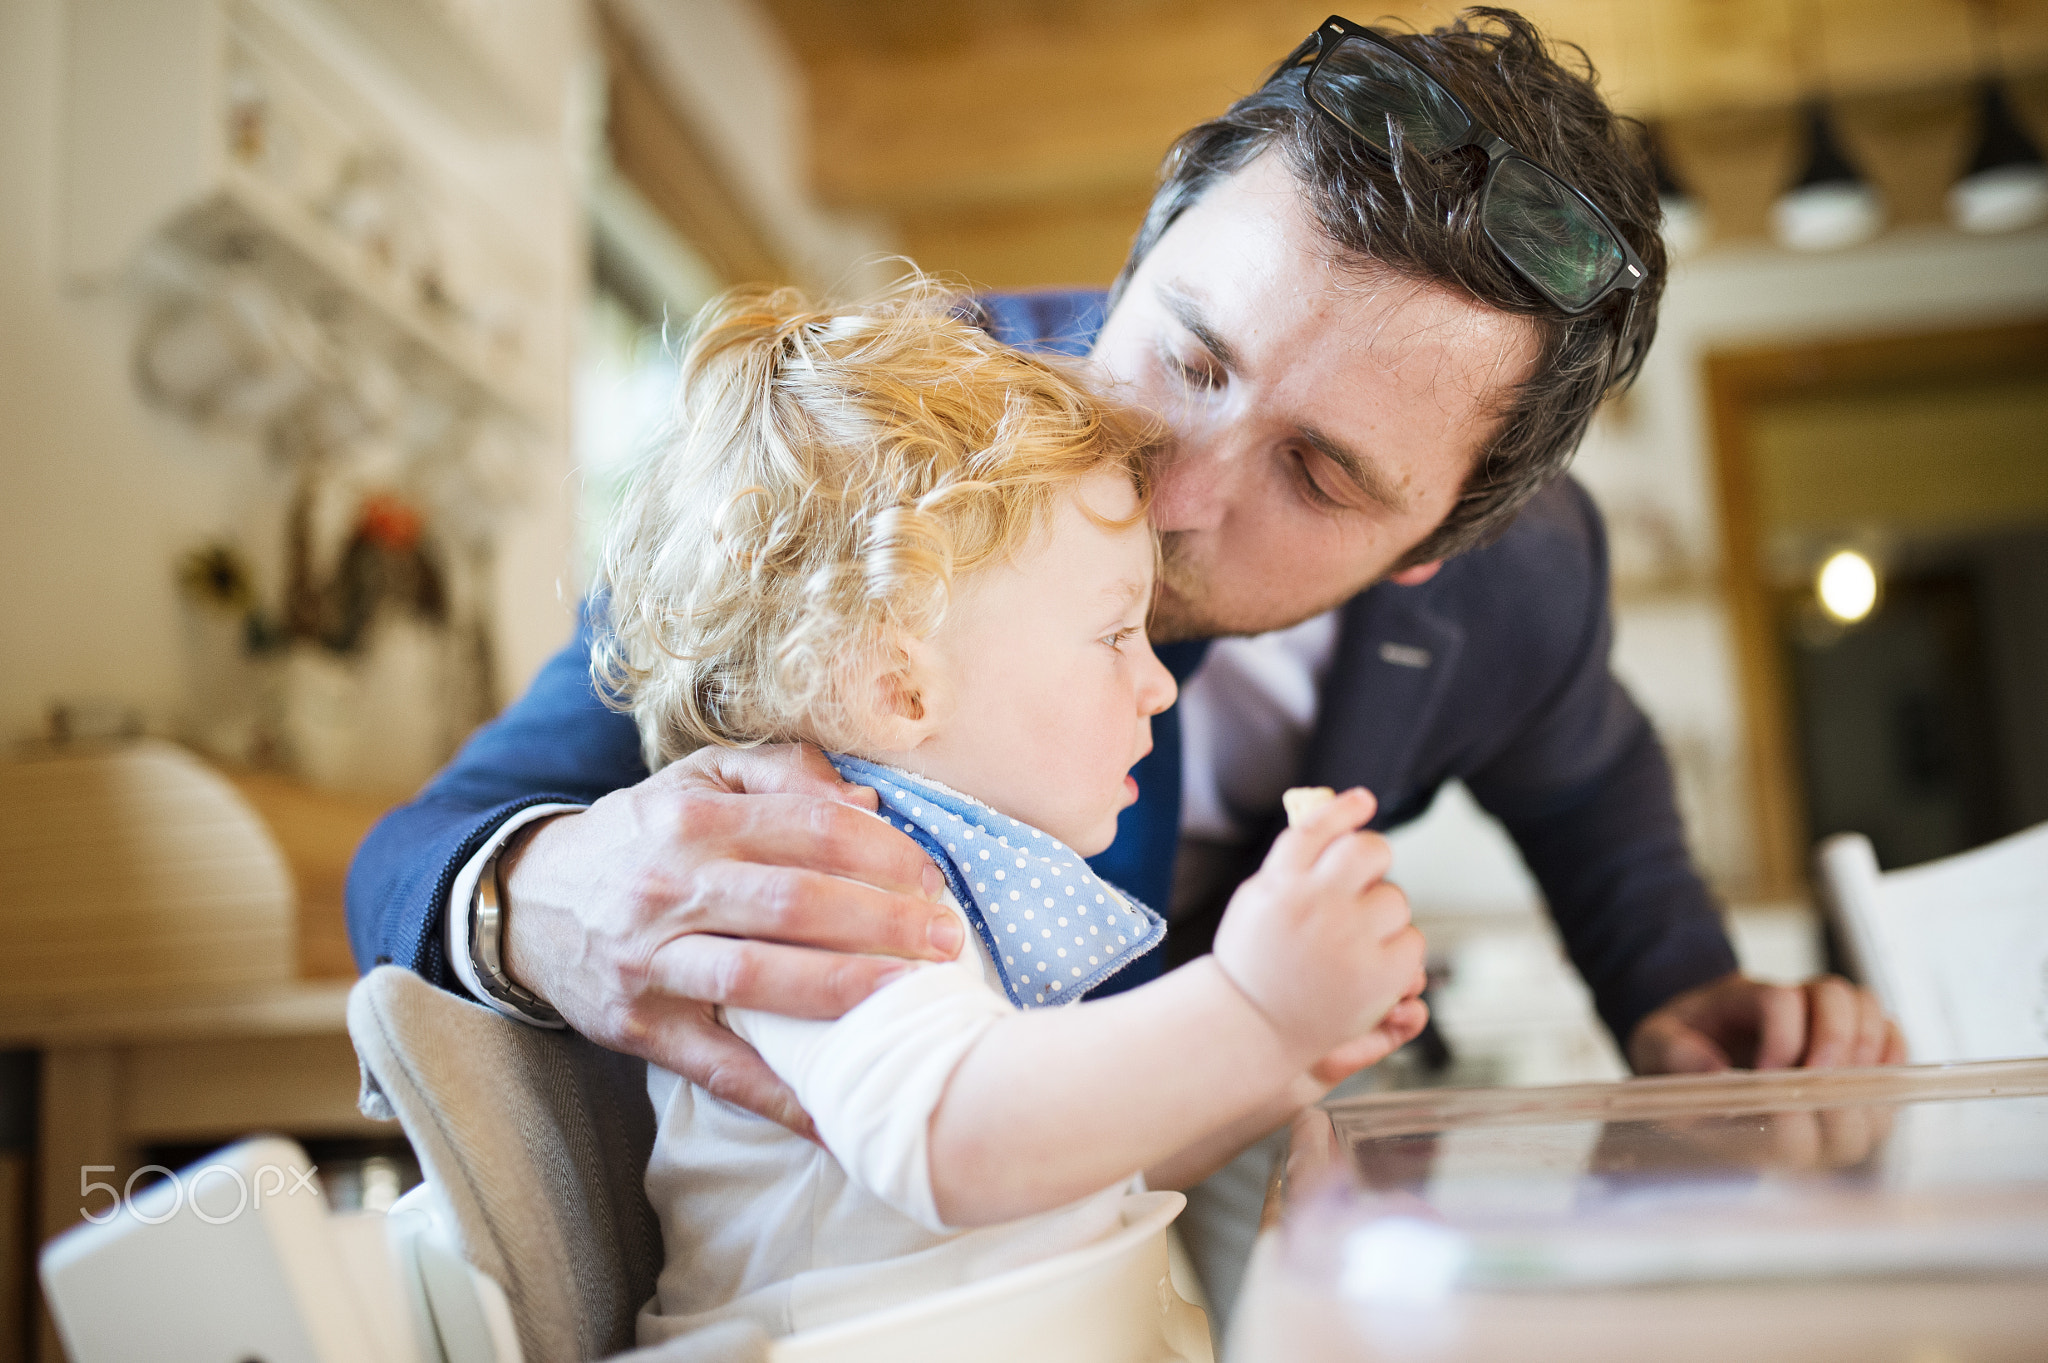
[1194, 485]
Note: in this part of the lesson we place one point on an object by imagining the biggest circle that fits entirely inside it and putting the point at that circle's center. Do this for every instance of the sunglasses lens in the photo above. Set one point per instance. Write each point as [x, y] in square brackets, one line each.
[1550, 233]
[1371, 91]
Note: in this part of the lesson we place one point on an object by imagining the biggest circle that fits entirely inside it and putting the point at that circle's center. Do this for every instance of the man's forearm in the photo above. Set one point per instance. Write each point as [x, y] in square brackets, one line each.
[480, 943]
[556, 744]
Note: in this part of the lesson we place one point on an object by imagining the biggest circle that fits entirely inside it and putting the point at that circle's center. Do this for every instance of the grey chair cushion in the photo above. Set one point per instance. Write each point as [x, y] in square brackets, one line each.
[537, 1140]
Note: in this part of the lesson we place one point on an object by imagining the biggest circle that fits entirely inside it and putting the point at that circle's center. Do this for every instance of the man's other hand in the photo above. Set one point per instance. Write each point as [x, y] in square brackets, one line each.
[742, 878]
[1737, 1022]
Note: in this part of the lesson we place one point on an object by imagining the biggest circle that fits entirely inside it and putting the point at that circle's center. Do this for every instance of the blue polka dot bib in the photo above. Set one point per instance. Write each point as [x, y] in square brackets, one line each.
[1053, 927]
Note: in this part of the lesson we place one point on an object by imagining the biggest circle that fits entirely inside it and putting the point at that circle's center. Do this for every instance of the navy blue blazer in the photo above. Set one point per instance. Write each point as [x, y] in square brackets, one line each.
[1494, 672]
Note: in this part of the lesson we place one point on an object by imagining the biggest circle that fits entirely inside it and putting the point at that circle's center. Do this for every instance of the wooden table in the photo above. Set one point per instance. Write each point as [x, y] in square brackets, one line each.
[1866, 1215]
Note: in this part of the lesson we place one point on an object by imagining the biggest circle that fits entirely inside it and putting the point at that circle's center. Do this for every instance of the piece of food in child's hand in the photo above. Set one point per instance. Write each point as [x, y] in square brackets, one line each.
[1302, 802]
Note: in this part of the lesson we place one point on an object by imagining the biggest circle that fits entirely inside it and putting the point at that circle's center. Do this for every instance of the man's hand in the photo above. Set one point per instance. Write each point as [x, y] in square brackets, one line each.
[744, 878]
[1736, 1022]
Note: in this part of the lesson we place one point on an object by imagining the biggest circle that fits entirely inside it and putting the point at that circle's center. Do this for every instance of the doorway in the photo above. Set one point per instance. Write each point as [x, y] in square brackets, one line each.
[1921, 717]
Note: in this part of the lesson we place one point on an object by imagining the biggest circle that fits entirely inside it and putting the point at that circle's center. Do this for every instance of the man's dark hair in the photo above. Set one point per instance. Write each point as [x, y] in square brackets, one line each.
[1418, 217]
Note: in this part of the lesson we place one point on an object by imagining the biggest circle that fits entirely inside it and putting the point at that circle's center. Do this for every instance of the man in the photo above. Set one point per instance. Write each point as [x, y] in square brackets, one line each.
[1376, 332]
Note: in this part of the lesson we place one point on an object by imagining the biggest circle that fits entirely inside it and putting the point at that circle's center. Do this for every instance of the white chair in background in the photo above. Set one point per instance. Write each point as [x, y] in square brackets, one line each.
[1956, 949]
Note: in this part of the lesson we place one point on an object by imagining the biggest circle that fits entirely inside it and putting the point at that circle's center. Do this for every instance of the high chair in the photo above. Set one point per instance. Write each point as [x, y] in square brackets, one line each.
[531, 1240]
[534, 1143]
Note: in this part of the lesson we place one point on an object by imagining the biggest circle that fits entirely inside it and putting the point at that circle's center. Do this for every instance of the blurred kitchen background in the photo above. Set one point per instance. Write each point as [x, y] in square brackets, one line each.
[328, 326]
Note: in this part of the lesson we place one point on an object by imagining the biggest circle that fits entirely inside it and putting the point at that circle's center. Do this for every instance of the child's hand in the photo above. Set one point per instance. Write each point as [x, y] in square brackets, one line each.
[1402, 1024]
[1320, 943]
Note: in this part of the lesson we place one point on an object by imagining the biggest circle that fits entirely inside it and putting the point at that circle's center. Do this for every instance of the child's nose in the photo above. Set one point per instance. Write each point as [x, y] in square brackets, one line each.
[1157, 690]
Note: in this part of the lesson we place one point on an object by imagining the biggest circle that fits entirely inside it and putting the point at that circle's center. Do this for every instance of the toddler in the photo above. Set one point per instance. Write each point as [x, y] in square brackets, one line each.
[884, 533]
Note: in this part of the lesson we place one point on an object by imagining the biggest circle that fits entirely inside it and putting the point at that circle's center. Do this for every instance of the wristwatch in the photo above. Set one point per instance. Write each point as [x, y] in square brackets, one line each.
[487, 944]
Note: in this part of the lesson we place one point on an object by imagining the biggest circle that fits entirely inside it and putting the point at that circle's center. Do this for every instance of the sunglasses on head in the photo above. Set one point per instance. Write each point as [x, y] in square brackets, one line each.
[1546, 229]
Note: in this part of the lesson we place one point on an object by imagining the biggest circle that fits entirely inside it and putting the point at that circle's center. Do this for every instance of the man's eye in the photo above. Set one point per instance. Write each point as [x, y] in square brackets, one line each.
[1200, 377]
[1310, 488]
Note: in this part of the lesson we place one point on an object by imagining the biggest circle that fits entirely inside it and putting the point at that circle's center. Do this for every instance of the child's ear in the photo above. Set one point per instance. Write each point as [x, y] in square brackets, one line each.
[909, 697]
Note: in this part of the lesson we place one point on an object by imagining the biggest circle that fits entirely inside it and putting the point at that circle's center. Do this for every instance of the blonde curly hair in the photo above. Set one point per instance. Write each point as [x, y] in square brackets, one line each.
[830, 475]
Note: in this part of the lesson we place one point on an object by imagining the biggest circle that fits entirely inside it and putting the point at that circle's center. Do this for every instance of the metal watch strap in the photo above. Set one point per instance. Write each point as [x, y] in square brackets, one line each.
[487, 943]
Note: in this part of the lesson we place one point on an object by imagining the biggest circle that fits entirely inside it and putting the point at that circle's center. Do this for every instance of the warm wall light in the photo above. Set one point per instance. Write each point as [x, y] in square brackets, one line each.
[1847, 586]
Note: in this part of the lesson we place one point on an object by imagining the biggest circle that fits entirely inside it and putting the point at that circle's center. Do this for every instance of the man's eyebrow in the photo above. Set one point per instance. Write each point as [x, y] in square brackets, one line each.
[1367, 476]
[1189, 314]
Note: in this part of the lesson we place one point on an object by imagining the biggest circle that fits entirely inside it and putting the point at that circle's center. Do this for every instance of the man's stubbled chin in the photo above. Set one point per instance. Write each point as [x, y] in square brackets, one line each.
[1177, 612]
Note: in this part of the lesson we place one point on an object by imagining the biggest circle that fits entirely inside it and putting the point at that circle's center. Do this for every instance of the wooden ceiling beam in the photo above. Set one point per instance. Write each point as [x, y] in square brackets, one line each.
[1065, 241]
[660, 155]
[1009, 114]
[922, 108]
[1032, 114]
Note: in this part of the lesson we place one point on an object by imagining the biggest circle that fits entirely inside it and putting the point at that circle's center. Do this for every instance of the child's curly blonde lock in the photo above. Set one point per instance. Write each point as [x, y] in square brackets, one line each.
[829, 476]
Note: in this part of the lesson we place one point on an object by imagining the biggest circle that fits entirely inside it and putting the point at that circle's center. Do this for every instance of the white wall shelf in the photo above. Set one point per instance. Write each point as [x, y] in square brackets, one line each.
[247, 223]
[285, 136]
